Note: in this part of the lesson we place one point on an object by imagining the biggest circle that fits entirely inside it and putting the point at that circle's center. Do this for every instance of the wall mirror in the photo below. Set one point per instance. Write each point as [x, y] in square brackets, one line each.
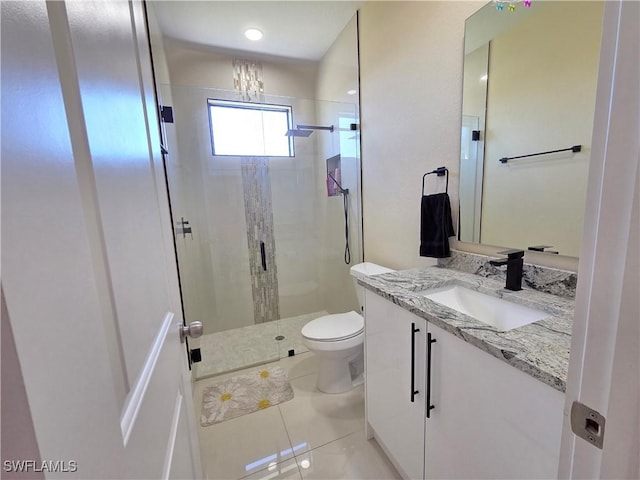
[530, 78]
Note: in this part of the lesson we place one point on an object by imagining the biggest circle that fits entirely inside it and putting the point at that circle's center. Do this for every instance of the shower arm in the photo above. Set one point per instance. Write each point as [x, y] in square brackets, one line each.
[314, 127]
[342, 190]
[306, 130]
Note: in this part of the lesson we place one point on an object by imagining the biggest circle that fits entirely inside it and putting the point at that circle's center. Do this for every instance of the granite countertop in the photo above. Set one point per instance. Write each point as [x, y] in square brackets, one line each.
[540, 349]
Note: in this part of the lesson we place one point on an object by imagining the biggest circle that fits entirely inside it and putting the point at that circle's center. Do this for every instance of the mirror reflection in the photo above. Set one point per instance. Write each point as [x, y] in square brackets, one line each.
[529, 87]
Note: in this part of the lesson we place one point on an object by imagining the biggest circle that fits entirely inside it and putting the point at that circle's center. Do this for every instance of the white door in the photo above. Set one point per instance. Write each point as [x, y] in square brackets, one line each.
[604, 369]
[89, 274]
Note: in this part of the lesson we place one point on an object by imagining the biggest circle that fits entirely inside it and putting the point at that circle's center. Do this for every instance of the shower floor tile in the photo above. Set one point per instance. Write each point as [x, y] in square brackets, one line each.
[253, 345]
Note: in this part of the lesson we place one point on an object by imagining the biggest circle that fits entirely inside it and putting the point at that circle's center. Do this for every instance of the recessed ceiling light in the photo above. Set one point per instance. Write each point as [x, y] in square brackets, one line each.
[253, 34]
[351, 92]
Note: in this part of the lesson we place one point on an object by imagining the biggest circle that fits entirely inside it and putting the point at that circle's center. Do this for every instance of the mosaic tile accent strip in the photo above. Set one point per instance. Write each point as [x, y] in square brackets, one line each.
[256, 184]
[544, 279]
[248, 80]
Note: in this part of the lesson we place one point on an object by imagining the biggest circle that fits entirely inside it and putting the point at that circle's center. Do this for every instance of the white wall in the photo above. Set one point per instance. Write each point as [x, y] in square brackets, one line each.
[338, 69]
[198, 66]
[411, 56]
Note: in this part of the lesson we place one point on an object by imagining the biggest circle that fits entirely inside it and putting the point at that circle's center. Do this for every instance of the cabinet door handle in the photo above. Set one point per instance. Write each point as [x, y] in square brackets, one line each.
[414, 392]
[429, 406]
[263, 257]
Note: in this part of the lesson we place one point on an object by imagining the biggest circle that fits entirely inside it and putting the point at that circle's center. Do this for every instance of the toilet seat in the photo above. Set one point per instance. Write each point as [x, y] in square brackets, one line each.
[333, 328]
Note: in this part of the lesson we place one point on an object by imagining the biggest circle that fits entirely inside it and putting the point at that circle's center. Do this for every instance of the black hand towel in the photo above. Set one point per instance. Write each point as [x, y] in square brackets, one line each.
[436, 225]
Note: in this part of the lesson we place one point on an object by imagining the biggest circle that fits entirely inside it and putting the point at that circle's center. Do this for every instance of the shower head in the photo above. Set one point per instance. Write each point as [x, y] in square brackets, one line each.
[298, 133]
[306, 130]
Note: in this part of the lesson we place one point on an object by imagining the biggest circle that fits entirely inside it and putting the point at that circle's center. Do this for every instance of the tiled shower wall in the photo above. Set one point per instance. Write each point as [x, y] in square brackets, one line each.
[256, 185]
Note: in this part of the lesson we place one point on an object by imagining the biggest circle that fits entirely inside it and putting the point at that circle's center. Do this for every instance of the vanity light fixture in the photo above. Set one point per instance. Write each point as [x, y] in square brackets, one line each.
[253, 34]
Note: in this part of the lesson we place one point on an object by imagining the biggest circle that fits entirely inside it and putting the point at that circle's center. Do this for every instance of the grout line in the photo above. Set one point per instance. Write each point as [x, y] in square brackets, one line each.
[329, 442]
[317, 446]
[290, 442]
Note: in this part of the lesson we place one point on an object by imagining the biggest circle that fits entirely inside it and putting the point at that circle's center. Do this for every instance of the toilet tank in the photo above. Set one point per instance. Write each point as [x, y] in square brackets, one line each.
[365, 269]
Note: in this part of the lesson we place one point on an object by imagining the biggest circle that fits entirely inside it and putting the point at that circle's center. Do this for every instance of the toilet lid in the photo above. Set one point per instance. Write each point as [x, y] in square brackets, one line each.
[339, 326]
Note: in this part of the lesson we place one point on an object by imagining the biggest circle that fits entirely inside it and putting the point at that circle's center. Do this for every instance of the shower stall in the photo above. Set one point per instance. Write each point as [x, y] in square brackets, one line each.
[262, 241]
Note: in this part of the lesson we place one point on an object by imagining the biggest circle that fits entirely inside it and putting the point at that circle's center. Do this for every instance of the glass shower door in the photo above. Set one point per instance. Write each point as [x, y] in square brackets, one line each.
[260, 243]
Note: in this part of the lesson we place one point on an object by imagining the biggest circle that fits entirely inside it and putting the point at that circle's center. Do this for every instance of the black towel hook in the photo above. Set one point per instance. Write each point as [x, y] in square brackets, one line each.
[440, 171]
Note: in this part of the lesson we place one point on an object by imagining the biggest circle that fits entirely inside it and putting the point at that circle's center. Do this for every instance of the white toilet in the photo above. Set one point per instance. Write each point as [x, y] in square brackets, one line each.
[338, 340]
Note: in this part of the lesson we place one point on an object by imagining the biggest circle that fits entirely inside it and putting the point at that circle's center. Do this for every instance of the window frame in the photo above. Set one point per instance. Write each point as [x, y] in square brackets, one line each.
[269, 107]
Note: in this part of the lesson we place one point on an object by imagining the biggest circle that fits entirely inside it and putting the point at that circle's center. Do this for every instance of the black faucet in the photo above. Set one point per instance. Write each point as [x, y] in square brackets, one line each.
[514, 263]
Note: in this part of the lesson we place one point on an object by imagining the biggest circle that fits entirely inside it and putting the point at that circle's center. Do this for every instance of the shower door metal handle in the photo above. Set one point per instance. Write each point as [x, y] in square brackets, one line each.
[263, 256]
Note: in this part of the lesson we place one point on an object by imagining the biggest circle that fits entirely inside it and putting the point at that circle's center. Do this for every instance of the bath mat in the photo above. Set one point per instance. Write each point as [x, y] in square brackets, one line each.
[244, 394]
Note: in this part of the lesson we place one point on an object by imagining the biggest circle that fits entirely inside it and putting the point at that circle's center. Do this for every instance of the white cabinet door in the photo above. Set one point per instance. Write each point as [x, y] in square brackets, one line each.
[489, 420]
[396, 420]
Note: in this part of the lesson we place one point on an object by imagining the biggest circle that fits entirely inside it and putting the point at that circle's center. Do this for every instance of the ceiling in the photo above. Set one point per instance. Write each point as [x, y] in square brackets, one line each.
[294, 29]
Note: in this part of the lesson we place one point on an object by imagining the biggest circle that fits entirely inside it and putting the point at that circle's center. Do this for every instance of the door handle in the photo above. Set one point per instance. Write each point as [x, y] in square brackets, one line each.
[193, 330]
[414, 392]
[263, 257]
[429, 406]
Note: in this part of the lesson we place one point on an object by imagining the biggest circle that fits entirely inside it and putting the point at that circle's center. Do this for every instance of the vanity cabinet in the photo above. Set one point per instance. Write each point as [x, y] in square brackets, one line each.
[489, 420]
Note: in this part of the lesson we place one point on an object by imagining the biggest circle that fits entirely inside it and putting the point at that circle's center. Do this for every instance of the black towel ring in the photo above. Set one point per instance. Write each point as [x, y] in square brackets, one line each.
[440, 171]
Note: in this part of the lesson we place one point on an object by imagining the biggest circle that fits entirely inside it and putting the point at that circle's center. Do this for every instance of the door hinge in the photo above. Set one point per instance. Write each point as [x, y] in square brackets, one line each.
[587, 424]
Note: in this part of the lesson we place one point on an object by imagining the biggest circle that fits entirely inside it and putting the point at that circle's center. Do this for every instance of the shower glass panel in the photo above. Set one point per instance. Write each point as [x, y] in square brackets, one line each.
[260, 244]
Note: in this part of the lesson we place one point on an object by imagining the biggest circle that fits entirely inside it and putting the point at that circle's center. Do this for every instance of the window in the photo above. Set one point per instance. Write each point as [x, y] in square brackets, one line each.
[250, 129]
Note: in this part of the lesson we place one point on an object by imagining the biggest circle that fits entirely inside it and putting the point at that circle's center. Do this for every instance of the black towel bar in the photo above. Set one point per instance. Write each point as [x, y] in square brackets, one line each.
[574, 149]
[440, 171]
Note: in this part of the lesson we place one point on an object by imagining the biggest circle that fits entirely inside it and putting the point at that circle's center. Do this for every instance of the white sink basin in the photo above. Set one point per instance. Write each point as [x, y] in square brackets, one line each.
[493, 311]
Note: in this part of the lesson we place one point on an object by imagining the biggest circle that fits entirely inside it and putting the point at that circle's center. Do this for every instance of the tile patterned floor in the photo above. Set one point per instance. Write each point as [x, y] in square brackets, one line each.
[253, 345]
[312, 436]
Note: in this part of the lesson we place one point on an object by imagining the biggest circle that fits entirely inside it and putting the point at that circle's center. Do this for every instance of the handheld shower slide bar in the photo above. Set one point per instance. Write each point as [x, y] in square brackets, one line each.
[345, 199]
